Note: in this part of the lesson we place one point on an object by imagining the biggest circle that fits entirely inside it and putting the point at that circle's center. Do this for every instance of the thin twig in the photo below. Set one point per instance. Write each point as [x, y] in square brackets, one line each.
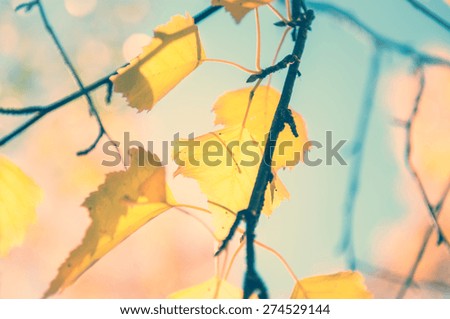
[410, 278]
[430, 14]
[236, 65]
[347, 245]
[385, 42]
[433, 210]
[408, 158]
[45, 110]
[73, 71]
[396, 278]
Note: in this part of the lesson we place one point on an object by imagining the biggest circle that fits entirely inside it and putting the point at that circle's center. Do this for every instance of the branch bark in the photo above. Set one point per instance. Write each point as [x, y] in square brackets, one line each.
[252, 280]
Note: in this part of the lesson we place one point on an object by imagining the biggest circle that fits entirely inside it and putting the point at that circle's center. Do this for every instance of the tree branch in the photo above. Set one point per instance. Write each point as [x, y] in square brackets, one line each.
[380, 40]
[92, 108]
[252, 281]
[433, 210]
[359, 140]
[430, 14]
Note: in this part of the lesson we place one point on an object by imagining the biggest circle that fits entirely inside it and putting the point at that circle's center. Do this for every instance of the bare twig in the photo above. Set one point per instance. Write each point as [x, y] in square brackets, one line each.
[41, 111]
[430, 14]
[433, 210]
[92, 108]
[382, 41]
[359, 140]
[396, 278]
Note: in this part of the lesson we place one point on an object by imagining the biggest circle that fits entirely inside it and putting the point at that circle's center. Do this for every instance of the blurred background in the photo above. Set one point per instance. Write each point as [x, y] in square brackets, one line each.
[174, 251]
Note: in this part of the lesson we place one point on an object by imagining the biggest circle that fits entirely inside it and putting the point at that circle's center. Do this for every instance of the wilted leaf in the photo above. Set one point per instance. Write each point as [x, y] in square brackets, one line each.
[225, 164]
[342, 285]
[214, 287]
[19, 196]
[239, 8]
[124, 203]
[231, 110]
[173, 53]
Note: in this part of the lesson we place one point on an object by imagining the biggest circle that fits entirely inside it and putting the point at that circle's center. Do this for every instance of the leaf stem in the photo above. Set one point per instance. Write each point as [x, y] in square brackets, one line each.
[430, 14]
[236, 65]
[277, 13]
[258, 41]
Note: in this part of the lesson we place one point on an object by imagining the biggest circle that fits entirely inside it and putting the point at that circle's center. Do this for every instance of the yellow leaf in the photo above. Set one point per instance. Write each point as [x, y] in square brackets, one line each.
[124, 203]
[173, 53]
[213, 288]
[239, 8]
[225, 164]
[231, 110]
[342, 285]
[19, 196]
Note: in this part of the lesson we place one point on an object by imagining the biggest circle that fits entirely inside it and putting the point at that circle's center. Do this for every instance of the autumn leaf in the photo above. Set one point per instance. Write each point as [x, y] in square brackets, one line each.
[173, 53]
[342, 285]
[19, 196]
[210, 289]
[231, 109]
[225, 164]
[239, 8]
[124, 203]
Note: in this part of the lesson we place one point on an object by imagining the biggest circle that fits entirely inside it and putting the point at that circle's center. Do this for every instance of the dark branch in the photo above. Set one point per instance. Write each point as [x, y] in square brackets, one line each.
[289, 59]
[206, 13]
[430, 14]
[25, 111]
[252, 281]
[52, 107]
[380, 40]
[433, 210]
[358, 155]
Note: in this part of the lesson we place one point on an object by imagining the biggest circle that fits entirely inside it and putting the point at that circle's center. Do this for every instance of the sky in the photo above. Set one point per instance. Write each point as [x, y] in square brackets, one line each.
[101, 35]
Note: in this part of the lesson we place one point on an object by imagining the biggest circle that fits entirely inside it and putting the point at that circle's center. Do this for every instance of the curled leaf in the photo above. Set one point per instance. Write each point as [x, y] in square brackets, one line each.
[123, 204]
[342, 285]
[19, 196]
[173, 53]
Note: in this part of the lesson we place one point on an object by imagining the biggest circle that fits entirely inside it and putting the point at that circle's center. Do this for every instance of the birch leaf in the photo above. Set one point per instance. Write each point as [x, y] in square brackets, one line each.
[173, 53]
[123, 204]
[342, 285]
[232, 109]
[225, 164]
[19, 196]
